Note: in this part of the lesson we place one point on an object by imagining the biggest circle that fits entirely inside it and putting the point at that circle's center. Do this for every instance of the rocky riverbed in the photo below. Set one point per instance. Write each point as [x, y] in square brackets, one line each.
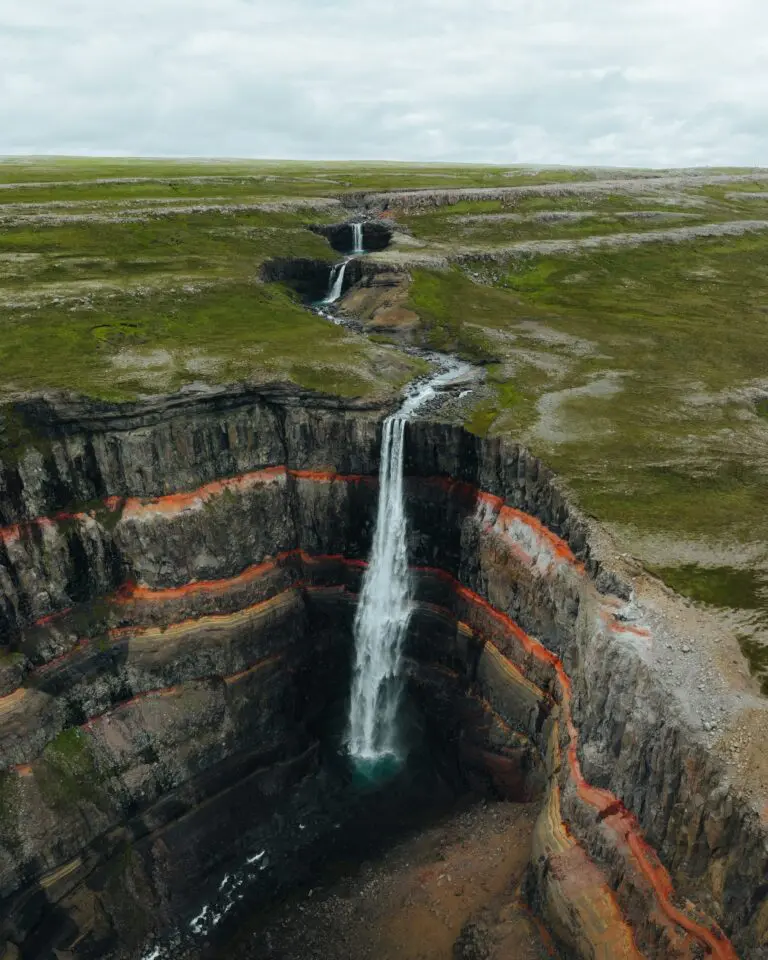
[449, 889]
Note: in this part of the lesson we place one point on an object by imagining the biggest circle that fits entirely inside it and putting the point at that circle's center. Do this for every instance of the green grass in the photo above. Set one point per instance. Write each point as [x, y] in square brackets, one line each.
[119, 310]
[233, 332]
[675, 450]
[455, 310]
[672, 321]
[442, 226]
[197, 245]
[245, 178]
[717, 586]
[68, 773]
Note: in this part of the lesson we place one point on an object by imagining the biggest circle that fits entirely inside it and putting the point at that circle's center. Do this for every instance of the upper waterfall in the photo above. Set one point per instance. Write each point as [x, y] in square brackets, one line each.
[357, 239]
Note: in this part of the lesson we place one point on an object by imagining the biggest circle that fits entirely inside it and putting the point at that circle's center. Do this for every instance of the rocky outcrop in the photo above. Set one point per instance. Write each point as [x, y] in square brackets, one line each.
[377, 235]
[178, 579]
[430, 197]
[308, 277]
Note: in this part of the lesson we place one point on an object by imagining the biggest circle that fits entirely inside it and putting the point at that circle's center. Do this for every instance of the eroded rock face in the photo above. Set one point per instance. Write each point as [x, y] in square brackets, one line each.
[377, 235]
[177, 586]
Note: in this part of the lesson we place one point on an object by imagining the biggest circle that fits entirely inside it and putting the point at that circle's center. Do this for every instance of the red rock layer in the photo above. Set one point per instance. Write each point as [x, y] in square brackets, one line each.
[487, 622]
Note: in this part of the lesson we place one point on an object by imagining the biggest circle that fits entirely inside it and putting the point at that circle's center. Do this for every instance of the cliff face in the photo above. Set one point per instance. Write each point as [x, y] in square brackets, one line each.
[177, 582]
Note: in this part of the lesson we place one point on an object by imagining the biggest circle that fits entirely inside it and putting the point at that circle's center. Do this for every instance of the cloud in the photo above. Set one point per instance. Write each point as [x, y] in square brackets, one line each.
[625, 82]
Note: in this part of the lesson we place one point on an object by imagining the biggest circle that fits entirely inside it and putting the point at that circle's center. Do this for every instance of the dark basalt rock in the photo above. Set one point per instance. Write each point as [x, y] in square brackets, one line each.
[377, 235]
[167, 733]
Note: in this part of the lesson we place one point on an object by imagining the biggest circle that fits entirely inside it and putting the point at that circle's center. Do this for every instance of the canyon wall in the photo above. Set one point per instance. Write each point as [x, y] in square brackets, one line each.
[177, 582]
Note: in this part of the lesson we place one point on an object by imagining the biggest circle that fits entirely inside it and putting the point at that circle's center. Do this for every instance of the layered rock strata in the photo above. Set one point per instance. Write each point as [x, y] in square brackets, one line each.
[377, 235]
[178, 582]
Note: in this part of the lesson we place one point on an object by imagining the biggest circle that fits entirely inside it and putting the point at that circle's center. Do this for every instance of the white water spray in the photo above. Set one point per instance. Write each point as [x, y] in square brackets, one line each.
[384, 610]
[336, 282]
[357, 239]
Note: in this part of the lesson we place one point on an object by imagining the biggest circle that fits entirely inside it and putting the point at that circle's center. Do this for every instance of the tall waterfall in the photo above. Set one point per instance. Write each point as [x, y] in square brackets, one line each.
[357, 238]
[336, 282]
[384, 609]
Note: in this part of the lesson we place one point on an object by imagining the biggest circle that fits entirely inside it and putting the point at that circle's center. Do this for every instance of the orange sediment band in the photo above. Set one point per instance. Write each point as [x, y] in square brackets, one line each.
[615, 815]
[12, 700]
[329, 476]
[16, 531]
[131, 591]
[256, 668]
[170, 504]
[52, 617]
[200, 623]
[176, 502]
[557, 544]
[621, 821]
[616, 626]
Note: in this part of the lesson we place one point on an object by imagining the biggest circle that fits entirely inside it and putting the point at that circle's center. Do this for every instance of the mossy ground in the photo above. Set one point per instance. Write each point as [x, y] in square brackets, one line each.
[118, 309]
[67, 772]
[225, 333]
[639, 374]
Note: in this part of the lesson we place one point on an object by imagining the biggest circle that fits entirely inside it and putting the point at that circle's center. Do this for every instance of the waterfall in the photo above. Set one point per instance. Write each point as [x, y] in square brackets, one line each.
[357, 238]
[336, 282]
[384, 609]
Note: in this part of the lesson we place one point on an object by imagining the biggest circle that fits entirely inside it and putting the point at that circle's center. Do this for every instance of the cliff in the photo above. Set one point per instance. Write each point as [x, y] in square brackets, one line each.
[177, 580]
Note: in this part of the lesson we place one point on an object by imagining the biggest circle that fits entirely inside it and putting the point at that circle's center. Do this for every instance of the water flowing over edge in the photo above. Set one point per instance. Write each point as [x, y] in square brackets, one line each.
[357, 238]
[384, 609]
[336, 281]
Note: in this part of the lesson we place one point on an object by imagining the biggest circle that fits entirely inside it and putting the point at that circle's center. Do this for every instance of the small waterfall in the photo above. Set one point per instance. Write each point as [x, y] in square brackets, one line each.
[336, 282]
[357, 239]
[384, 609]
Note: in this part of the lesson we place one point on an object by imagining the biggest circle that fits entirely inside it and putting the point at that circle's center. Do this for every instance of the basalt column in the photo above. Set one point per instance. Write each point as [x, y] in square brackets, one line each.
[178, 583]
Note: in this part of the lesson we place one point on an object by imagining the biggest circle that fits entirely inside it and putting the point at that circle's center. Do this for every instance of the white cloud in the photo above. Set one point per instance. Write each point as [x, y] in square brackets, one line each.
[646, 82]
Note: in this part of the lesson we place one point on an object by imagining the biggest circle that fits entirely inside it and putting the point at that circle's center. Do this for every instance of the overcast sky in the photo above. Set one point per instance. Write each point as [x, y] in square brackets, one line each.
[624, 82]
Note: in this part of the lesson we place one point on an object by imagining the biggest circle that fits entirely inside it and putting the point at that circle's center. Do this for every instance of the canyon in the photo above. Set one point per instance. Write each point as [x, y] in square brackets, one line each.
[189, 505]
[179, 582]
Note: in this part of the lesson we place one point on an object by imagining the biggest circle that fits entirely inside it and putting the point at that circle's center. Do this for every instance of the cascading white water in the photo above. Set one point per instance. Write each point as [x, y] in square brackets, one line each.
[383, 612]
[336, 282]
[357, 238]
[382, 616]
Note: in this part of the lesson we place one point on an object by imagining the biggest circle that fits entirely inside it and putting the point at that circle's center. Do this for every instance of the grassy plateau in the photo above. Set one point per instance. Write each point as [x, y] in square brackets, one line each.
[621, 318]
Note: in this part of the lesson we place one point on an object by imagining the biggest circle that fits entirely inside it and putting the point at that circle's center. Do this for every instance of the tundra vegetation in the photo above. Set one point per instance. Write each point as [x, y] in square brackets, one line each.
[635, 367]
